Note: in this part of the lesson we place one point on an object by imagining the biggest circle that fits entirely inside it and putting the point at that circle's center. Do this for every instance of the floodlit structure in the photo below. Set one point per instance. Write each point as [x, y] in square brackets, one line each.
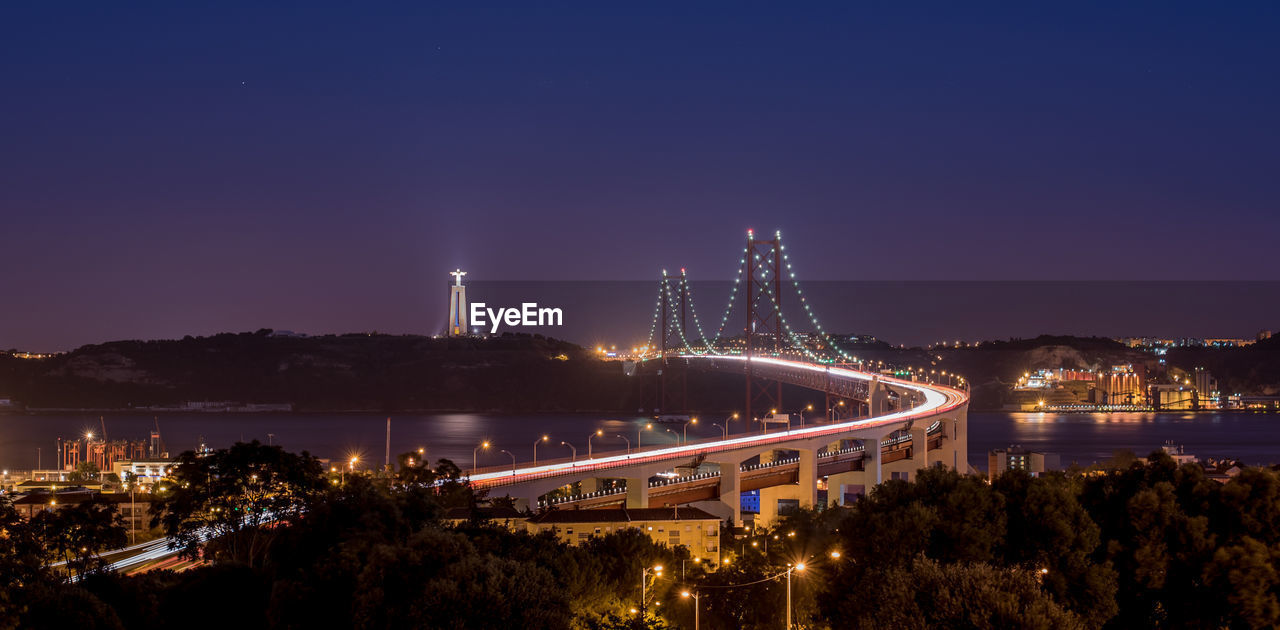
[458, 324]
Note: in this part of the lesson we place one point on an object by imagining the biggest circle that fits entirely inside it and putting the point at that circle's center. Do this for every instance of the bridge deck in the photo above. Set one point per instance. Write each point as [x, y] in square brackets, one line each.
[936, 399]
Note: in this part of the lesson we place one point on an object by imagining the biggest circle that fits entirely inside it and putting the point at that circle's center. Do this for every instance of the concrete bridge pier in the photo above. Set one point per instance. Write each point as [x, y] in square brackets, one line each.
[731, 491]
[841, 485]
[804, 492]
[919, 448]
[877, 400]
[954, 451]
[637, 492]
[873, 458]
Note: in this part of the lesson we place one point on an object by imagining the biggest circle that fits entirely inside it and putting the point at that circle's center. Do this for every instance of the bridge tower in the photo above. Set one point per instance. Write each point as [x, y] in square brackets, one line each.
[673, 377]
[763, 271]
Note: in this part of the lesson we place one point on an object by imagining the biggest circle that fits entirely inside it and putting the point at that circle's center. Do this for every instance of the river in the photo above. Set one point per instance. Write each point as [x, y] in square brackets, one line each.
[1083, 438]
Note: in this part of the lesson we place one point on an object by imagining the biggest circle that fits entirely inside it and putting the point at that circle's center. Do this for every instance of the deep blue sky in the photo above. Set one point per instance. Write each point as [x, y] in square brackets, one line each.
[174, 168]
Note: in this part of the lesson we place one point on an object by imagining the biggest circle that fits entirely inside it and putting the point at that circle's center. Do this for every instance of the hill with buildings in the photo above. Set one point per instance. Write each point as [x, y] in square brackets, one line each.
[529, 373]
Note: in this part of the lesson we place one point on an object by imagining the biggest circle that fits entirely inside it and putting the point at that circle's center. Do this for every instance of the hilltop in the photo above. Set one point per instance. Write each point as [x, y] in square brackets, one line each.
[332, 372]
[517, 373]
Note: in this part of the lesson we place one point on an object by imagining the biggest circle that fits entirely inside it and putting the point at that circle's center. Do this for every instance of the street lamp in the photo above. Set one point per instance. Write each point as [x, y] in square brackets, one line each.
[575, 451]
[686, 429]
[724, 430]
[694, 595]
[798, 567]
[675, 434]
[513, 460]
[647, 427]
[628, 441]
[535, 447]
[598, 432]
[475, 454]
[644, 584]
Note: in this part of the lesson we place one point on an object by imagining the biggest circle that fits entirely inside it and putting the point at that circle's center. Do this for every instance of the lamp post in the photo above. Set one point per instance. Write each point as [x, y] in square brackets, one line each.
[513, 460]
[644, 585]
[696, 605]
[475, 455]
[628, 441]
[535, 448]
[798, 567]
[724, 430]
[808, 407]
[675, 434]
[574, 458]
[647, 427]
[686, 429]
[598, 432]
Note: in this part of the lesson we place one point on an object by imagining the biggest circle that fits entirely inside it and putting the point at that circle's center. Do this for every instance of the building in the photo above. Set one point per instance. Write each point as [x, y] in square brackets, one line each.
[1017, 458]
[135, 509]
[1173, 396]
[1178, 453]
[695, 529]
[146, 471]
[1119, 386]
[459, 324]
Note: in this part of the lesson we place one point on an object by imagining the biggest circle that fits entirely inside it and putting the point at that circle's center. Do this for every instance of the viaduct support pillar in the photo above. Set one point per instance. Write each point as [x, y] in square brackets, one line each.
[804, 492]
[876, 400]
[637, 492]
[919, 447]
[730, 490]
[873, 458]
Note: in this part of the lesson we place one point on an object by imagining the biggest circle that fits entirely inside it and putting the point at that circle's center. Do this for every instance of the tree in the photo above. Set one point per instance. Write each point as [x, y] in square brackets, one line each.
[234, 496]
[85, 471]
[78, 534]
[21, 563]
[1049, 531]
[928, 594]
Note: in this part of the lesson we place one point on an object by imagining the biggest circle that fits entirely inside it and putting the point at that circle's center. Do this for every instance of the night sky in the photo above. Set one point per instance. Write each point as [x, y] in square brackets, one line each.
[177, 169]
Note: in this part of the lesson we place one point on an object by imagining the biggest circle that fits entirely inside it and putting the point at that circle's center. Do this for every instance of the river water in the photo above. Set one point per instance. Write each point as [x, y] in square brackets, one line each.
[1084, 438]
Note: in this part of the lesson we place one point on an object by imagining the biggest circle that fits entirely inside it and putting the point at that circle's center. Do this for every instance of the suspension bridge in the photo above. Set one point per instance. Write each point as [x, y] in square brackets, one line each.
[877, 426]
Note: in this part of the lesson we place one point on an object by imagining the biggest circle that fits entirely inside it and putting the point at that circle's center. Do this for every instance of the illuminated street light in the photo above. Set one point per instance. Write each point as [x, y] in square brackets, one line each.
[574, 458]
[675, 434]
[513, 460]
[535, 448]
[798, 567]
[696, 606]
[475, 454]
[647, 427]
[598, 432]
[686, 428]
[627, 440]
[644, 584]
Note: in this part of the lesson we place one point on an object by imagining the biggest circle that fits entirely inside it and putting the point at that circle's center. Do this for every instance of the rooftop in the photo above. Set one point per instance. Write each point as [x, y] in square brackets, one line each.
[624, 515]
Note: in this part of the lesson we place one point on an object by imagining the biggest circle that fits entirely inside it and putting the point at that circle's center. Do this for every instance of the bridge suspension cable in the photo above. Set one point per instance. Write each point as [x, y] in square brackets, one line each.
[786, 260]
[653, 327]
[708, 347]
[677, 318]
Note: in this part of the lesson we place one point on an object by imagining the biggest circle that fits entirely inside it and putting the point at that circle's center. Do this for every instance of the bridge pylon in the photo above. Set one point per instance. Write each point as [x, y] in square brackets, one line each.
[673, 373]
[763, 331]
